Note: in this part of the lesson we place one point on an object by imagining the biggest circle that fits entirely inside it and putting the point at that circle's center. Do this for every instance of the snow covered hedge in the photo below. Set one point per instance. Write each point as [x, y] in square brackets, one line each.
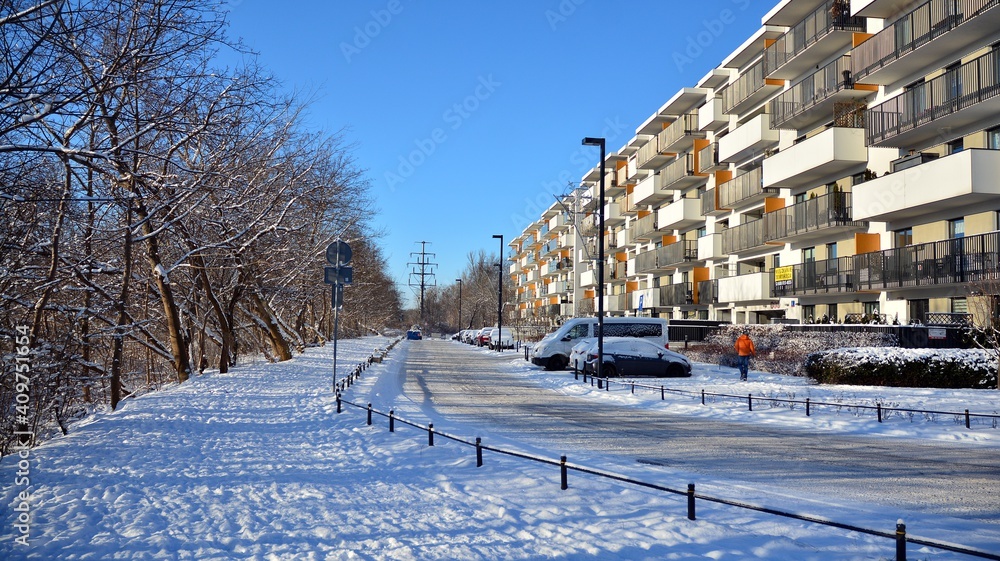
[890, 366]
[779, 350]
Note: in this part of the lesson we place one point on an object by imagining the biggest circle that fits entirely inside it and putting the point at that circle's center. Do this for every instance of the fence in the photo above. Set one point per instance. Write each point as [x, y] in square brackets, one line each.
[899, 536]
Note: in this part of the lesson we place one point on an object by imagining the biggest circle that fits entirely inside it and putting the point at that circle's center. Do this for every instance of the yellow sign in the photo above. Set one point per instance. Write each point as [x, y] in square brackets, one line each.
[783, 274]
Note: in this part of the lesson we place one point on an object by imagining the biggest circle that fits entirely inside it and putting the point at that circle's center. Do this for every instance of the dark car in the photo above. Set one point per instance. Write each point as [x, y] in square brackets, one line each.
[636, 357]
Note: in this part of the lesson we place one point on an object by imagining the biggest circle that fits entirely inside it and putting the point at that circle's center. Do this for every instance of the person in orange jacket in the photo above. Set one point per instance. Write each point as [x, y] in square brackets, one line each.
[745, 350]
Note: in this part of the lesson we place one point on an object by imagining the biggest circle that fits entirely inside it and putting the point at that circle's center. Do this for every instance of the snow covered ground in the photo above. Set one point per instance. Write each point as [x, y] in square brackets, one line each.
[257, 464]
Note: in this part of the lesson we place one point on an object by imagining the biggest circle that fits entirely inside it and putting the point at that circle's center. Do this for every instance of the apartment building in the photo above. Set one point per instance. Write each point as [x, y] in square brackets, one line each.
[843, 162]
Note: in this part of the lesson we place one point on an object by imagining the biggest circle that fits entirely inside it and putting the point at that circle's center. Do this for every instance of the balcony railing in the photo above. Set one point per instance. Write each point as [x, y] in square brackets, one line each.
[971, 83]
[708, 206]
[676, 171]
[833, 15]
[645, 262]
[708, 292]
[680, 294]
[814, 277]
[812, 91]
[749, 83]
[952, 261]
[641, 229]
[708, 159]
[744, 237]
[685, 126]
[820, 213]
[742, 188]
[914, 30]
[676, 253]
[648, 151]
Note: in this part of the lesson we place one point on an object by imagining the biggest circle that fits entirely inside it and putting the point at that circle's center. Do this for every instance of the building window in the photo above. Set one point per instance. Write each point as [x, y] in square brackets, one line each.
[808, 314]
[800, 198]
[903, 238]
[918, 309]
[993, 137]
[959, 306]
[776, 262]
[702, 232]
[953, 81]
[831, 251]
[956, 228]
[808, 254]
[956, 146]
[831, 313]
[871, 310]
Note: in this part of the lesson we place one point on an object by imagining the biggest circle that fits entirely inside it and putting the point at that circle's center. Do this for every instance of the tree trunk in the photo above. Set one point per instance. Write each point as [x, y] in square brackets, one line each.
[278, 342]
[120, 306]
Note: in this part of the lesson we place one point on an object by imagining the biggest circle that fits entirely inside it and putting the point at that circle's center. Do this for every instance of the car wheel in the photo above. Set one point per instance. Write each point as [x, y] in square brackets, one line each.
[675, 371]
[558, 362]
[610, 371]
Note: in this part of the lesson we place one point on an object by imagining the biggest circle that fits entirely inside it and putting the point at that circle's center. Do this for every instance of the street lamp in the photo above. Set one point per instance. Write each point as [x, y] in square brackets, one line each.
[459, 281]
[591, 141]
[500, 295]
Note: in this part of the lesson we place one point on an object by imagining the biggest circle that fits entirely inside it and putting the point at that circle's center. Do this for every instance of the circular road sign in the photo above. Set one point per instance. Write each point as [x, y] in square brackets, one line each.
[338, 253]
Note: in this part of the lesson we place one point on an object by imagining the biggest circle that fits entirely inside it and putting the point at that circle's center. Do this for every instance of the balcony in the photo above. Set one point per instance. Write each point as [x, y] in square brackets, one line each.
[743, 190]
[557, 288]
[744, 238]
[959, 102]
[648, 193]
[812, 101]
[711, 117]
[814, 277]
[822, 217]
[589, 225]
[708, 159]
[748, 140]
[708, 292]
[588, 278]
[616, 303]
[679, 215]
[749, 90]
[613, 215]
[904, 49]
[645, 299]
[645, 262]
[680, 175]
[681, 294]
[962, 183]
[679, 135]
[947, 262]
[651, 156]
[616, 272]
[823, 33]
[710, 247]
[828, 156]
[678, 253]
[745, 289]
[710, 205]
[642, 230]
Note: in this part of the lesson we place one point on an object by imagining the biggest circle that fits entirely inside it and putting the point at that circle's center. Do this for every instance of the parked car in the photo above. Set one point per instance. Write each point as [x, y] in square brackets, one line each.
[503, 340]
[483, 337]
[578, 355]
[636, 357]
[414, 333]
[552, 352]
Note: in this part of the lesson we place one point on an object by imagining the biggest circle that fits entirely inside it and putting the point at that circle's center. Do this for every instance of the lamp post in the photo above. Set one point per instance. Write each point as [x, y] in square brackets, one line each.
[500, 295]
[591, 141]
[459, 281]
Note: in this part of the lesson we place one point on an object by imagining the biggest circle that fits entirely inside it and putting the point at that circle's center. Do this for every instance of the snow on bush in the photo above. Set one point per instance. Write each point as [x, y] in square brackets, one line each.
[779, 350]
[881, 366]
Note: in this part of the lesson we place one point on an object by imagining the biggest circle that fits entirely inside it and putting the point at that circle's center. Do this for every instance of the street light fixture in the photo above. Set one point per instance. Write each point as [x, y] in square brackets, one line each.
[459, 281]
[500, 295]
[591, 141]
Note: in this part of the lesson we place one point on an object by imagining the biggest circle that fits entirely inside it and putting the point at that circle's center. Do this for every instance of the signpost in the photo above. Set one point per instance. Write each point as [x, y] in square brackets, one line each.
[338, 275]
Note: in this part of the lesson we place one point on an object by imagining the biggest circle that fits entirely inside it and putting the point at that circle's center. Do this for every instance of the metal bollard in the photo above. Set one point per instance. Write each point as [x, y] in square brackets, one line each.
[685, 342]
[392, 421]
[690, 495]
[662, 394]
[878, 407]
[600, 384]
[900, 540]
[430, 434]
[750, 401]
[633, 388]
[967, 419]
[807, 407]
[338, 403]
[479, 452]
[369, 414]
[563, 473]
[703, 397]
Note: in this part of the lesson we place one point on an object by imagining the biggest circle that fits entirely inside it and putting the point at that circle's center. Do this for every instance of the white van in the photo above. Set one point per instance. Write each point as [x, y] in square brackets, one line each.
[553, 350]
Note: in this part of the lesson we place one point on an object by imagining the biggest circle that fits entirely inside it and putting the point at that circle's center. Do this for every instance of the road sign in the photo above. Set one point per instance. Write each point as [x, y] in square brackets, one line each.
[338, 253]
[338, 275]
[337, 300]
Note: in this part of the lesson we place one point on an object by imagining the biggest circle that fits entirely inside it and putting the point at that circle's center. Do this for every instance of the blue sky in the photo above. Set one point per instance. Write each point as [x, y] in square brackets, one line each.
[468, 116]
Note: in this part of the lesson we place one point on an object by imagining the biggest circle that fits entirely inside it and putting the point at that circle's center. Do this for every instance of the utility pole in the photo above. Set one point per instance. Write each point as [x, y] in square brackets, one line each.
[422, 273]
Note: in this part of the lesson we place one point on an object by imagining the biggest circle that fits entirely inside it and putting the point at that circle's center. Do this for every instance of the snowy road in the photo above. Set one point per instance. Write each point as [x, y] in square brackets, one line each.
[463, 385]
